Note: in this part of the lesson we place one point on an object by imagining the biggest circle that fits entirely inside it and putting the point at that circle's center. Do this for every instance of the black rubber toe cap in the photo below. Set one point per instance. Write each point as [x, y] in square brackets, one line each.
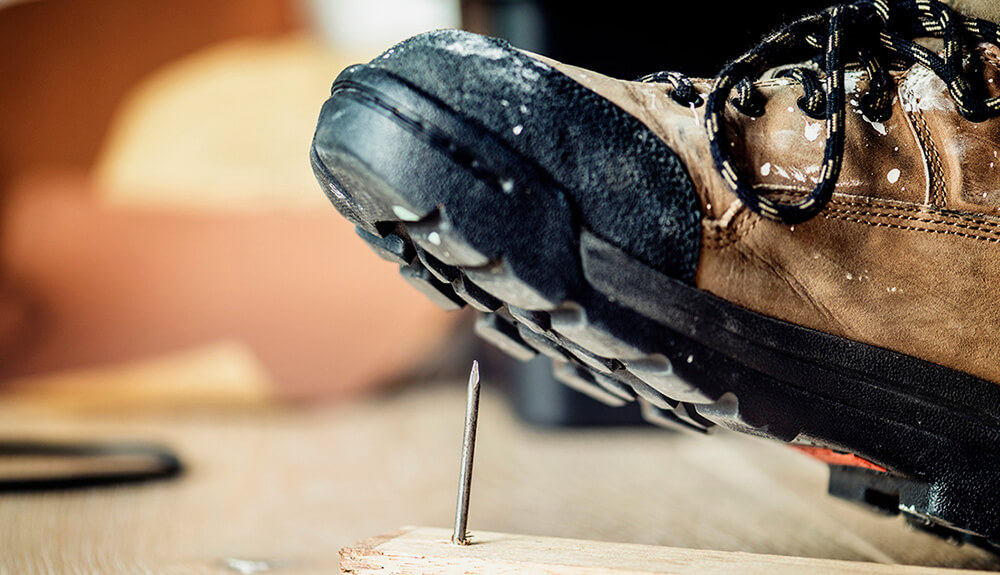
[626, 185]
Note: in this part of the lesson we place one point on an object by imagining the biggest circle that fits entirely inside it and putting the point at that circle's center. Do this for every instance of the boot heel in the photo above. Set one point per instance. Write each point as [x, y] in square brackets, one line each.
[877, 491]
[943, 507]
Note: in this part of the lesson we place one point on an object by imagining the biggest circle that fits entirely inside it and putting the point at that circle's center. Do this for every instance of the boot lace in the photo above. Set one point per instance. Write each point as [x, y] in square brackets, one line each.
[876, 36]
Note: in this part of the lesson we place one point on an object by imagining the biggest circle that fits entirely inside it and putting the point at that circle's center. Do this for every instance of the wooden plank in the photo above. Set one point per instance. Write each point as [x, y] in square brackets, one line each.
[414, 550]
[289, 487]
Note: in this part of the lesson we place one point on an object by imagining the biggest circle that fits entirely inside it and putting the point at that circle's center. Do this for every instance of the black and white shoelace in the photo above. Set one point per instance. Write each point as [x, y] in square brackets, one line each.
[877, 36]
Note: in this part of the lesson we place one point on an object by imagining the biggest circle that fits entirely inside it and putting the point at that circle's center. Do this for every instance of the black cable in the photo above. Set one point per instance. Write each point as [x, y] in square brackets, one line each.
[163, 464]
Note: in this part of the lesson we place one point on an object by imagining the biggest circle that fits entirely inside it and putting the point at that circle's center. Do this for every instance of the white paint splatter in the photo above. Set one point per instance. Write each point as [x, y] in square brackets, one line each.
[893, 175]
[812, 131]
[878, 126]
[851, 80]
[924, 90]
[434, 238]
[517, 129]
[507, 186]
[477, 46]
[850, 276]
[765, 170]
[405, 214]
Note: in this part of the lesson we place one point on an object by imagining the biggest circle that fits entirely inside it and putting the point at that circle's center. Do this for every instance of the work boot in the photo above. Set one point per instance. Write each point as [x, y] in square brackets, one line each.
[804, 248]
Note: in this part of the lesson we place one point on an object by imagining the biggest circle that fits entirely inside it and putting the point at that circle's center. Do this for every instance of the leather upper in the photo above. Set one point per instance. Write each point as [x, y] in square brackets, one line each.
[906, 255]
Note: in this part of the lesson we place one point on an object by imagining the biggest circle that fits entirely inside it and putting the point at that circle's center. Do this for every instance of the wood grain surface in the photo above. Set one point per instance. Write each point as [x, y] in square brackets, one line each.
[418, 550]
[285, 489]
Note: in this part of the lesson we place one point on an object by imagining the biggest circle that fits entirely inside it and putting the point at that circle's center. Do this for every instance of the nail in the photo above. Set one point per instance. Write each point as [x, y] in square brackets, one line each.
[460, 535]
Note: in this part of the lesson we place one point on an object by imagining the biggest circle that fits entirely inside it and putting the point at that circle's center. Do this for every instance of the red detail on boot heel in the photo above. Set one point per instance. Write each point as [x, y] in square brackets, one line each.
[839, 458]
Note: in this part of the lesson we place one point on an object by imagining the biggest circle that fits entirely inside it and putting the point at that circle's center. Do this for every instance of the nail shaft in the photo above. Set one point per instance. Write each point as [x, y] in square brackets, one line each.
[460, 536]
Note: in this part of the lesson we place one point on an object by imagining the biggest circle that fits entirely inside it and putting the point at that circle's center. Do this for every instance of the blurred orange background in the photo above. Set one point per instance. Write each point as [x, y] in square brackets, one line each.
[158, 199]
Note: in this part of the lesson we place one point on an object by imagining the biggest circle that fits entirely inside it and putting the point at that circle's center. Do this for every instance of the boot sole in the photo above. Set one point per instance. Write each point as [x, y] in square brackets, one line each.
[419, 181]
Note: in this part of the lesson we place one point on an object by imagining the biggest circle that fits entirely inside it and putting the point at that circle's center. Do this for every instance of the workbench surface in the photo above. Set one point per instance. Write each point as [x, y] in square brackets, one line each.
[284, 489]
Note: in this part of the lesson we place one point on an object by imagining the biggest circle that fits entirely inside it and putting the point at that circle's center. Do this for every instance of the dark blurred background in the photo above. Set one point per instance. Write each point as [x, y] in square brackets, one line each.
[630, 39]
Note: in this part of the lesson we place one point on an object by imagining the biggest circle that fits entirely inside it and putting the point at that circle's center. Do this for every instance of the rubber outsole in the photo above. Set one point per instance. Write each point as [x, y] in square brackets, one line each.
[431, 193]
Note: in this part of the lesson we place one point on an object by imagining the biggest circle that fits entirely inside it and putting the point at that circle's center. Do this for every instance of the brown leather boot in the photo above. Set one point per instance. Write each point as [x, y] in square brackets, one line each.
[807, 253]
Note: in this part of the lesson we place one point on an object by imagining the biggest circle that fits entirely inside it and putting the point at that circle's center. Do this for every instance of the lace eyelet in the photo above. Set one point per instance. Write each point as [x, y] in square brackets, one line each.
[754, 109]
[748, 99]
[697, 101]
[803, 104]
[871, 112]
